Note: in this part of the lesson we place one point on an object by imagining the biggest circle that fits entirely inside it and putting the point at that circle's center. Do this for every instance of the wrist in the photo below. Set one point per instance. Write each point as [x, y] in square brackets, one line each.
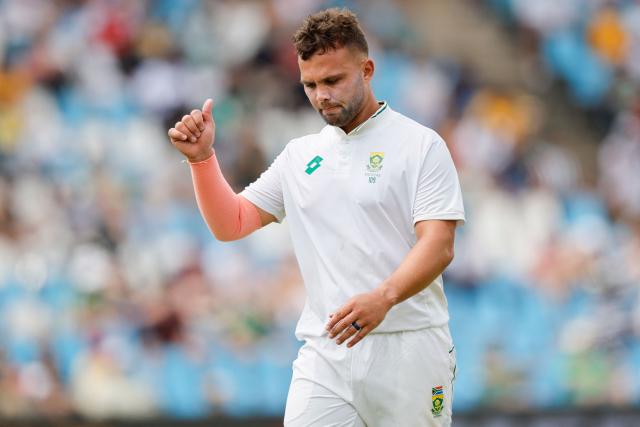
[201, 157]
[388, 294]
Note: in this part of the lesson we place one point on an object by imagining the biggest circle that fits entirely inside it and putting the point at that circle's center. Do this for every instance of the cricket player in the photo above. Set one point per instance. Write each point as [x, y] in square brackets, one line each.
[372, 201]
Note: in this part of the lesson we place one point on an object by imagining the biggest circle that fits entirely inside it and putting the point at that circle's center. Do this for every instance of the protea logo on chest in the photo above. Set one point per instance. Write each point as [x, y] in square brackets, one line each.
[374, 168]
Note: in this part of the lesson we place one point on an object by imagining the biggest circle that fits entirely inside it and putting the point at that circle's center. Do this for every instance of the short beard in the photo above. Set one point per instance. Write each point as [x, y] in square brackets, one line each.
[347, 113]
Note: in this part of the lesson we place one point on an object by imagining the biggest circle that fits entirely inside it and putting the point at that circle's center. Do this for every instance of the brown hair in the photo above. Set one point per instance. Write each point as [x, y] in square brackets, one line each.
[329, 29]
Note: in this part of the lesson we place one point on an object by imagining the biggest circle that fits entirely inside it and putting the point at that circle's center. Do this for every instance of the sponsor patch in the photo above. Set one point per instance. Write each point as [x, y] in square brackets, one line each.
[313, 165]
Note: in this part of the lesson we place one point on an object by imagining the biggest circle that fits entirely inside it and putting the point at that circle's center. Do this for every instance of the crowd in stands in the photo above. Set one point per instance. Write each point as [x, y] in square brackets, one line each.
[115, 300]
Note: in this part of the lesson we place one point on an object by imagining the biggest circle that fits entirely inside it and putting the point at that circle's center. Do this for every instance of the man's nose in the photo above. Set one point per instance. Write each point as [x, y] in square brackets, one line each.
[322, 94]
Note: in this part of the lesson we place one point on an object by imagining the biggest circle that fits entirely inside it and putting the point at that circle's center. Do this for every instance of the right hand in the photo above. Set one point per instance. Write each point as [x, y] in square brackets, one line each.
[194, 135]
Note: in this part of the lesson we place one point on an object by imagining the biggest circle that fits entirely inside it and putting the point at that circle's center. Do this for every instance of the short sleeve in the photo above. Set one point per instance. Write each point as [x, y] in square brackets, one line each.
[438, 195]
[266, 191]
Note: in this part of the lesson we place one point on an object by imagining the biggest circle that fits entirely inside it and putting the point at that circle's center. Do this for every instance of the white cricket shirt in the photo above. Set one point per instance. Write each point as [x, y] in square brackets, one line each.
[352, 202]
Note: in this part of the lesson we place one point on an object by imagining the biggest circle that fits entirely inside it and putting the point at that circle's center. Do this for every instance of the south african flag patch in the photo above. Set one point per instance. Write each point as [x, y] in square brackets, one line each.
[437, 400]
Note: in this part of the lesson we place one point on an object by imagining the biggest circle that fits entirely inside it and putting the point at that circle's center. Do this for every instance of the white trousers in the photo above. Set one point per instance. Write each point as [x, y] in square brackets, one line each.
[401, 379]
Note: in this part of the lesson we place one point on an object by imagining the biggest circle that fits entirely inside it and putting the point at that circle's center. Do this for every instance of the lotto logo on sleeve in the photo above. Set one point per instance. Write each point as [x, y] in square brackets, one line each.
[313, 165]
[437, 400]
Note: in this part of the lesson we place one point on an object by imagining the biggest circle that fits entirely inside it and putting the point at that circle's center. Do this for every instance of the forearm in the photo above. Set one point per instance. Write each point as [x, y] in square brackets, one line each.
[228, 215]
[422, 265]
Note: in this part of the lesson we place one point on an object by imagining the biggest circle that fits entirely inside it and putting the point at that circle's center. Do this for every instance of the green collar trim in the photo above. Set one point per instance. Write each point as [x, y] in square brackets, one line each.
[383, 106]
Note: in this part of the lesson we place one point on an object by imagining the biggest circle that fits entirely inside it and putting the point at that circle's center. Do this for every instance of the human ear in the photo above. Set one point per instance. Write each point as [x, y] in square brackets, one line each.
[368, 68]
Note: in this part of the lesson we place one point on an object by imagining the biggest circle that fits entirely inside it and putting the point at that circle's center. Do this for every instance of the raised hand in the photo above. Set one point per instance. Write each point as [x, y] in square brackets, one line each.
[194, 135]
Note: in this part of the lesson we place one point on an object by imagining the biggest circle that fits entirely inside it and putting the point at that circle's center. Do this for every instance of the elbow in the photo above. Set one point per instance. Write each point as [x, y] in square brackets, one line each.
[226, 238]
[448, 256]
[222, 236]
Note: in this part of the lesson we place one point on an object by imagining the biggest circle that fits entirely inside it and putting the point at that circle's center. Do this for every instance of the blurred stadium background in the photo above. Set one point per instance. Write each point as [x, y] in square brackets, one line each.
[117, 304]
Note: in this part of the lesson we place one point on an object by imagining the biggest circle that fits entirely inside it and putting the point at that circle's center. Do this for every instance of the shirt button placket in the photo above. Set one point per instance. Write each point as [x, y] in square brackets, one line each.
[344, 155]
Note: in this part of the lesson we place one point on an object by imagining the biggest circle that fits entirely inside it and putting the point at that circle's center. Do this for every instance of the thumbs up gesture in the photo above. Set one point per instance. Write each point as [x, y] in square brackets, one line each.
[194, 135]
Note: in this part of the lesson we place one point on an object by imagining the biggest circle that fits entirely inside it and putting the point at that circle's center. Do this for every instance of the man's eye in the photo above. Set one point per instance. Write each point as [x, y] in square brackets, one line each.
[309, 85]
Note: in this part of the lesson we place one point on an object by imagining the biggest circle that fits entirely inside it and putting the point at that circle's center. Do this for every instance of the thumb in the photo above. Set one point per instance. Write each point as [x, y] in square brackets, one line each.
[206, 109]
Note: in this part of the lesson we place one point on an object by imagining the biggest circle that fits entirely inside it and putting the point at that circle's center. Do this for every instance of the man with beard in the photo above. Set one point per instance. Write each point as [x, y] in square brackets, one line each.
[372, 200]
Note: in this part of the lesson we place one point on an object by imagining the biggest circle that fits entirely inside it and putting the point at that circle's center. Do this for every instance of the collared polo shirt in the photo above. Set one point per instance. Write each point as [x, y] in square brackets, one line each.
[352, 201]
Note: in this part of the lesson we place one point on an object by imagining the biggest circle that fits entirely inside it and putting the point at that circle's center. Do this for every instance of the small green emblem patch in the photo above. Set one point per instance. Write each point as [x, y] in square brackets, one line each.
[375, 161]
[313, 165]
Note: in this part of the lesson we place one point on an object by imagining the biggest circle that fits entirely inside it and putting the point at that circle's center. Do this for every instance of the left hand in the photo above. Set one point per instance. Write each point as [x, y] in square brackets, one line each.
[367, 310]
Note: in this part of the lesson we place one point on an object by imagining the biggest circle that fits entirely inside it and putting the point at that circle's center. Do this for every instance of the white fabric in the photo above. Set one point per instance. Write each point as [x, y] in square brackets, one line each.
[352, 220]
[313, 405]
[386, 380]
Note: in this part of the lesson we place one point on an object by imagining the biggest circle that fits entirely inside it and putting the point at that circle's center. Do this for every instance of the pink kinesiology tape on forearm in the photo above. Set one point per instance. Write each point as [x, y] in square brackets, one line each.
[228, 215]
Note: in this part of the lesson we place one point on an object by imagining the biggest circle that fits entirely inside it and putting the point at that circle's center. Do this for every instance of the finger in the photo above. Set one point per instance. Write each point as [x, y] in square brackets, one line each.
[361, 334]
[343, 324]
[348, 332]
[206, 109]
[185, 130]
[191, 124]
[336, 317]
[196, 115]
[176, 135]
